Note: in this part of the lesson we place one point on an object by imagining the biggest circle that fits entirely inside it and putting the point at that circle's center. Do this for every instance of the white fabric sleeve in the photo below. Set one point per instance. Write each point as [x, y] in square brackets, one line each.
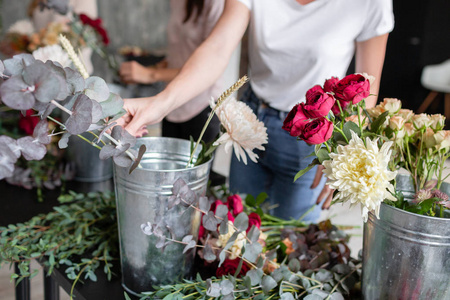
[247, 3]
[379, 20]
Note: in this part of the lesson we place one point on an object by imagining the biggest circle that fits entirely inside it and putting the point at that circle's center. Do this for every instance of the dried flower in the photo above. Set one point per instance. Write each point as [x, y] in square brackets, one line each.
[360, 174]
[422, 195]
[75, 59]
[243, 130]
[24, 27]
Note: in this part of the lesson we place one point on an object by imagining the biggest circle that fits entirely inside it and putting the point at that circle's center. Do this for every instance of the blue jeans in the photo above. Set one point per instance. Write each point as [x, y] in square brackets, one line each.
[277, 166]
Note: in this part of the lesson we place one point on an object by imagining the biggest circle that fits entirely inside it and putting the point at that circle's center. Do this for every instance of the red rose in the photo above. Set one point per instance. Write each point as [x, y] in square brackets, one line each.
[253, 219]
[28, 122]
[352, 88]
[230, 217]
[201, 231]
[295, 120]
[229, 266]
[97, 25]
[318, 103]
[234, 204]
[317, 131]
[329, 84]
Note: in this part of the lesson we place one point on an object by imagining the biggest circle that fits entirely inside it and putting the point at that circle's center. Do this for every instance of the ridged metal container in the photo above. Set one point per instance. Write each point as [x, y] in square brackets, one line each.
[141, 196]
[406, 255]
[88, 167]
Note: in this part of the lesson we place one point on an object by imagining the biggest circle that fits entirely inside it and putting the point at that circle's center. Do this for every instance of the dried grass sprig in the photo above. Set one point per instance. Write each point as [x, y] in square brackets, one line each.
[236, 86]
[65, 43]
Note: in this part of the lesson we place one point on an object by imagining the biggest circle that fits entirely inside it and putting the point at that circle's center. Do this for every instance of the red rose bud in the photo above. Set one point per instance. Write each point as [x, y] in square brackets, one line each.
[295, 120]
[330, 84]
[201, 231]
[28, 122]
[352, 88]
[234, 203]
[318, 103]
[230, 266]
[317, 131]
[253, 219]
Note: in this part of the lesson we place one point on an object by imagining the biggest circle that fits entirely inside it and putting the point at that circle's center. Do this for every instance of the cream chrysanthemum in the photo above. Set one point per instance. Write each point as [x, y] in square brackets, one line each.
[54, 53]
[360, 174]
[244, 131]
[24, 27]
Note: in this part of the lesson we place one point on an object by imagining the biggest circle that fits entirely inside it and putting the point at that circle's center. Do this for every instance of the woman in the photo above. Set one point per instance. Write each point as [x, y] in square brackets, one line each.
[190, 23]
[293, 45]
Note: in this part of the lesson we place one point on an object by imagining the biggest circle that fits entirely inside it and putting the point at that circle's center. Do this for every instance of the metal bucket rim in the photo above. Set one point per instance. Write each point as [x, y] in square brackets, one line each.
[387, 206]
[155, 138]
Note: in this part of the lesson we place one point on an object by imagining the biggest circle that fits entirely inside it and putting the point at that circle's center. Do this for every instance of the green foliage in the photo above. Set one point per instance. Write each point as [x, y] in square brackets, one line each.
[81, 235]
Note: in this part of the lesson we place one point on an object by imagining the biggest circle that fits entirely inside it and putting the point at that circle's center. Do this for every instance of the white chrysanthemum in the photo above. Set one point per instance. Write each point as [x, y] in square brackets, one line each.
[24, 27]
[360, 174]
[53, 52]
[238, 243]
[244, 131]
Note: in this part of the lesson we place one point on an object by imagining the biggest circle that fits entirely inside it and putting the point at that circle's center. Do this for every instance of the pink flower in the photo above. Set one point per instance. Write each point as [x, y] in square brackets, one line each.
[352, 88]
[318, 103]
[295, 120]
[234, 204]
[317, 131]
[253, 219]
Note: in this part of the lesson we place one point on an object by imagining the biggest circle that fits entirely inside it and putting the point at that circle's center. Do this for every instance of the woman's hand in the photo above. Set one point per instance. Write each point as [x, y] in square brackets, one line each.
[133, 72]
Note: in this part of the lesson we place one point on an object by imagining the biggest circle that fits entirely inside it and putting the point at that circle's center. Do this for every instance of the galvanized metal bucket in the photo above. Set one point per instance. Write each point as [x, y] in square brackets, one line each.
[405, 255]
[88, 167]
[141, 196]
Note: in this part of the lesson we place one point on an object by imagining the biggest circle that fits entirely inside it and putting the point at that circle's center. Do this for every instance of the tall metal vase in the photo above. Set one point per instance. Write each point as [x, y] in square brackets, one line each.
[406, 255]
[141, 197]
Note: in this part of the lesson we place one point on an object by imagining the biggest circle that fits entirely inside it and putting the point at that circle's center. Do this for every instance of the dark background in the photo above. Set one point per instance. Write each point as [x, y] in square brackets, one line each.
[421, 37]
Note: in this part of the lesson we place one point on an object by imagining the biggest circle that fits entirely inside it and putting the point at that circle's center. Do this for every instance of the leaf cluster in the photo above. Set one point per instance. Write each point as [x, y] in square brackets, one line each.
[80, 235]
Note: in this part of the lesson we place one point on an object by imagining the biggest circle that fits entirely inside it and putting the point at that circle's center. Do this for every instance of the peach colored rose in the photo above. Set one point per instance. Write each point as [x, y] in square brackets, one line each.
[410, 130]
[392, 105]
[437, 122]
[406, 114]
[396, 123]
[354, 119]
[376, 111]
[288, 244]
[442, 139]
[421, 121]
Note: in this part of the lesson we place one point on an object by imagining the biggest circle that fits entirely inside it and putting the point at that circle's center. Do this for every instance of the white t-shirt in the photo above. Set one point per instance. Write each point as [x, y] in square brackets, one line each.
[183, 39]
[293, 47]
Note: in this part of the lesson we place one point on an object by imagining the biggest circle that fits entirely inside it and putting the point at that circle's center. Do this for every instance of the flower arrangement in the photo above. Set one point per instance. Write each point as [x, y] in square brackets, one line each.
[362, 149]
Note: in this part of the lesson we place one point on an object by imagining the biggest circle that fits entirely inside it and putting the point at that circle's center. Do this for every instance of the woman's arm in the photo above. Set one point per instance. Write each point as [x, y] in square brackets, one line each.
[201, 70]
[133, 72]
[369, 59]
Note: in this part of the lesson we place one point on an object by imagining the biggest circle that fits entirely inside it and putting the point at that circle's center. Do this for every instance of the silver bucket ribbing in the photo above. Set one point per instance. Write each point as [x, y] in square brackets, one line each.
[140, 197]
[406, 255]
[88, 167]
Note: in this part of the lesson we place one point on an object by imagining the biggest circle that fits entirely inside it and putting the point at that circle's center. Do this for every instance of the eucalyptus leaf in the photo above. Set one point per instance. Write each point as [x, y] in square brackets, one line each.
[12, 145]
[255, 276]
[226, 287]
[112, 106]
[209, 221]
[15, 93]
[75, 82]
[213, 289]
[31, 149]
[7, 161]
[40, 132]
[122, 160]
[204, 204]
[2, 69]
[268, 283]
[96, 89]
[208, 253]
[221, 211]
[252, 251]
[43, 80]
[16, 64]
[241, 221]
[142, 150]
[253, 234]
[59, 73]
[286, 296]
[81, 116]
[294, 265]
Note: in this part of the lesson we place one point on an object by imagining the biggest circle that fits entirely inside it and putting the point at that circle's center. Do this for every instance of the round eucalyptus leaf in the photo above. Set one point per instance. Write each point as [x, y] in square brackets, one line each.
[107, 152]
[43, 109]
[122, 160]
[15, 93]
[64, 141]
[31, 148]
[15, 65]
[2, 68]
[75, 81]
[97, 112]
[81, 117]
[241, 221]
[46, 83]
[268, 283]
[58, 71]
[40, 132]
[11, 144]
[226, 287]
[112, 106]
[96, 89]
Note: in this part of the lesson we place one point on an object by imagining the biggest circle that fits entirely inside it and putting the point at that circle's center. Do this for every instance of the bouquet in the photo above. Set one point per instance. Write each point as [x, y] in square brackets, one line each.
[362, 149]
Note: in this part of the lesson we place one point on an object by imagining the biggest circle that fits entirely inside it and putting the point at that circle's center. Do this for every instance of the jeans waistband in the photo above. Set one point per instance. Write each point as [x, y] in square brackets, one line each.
[258, 105]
